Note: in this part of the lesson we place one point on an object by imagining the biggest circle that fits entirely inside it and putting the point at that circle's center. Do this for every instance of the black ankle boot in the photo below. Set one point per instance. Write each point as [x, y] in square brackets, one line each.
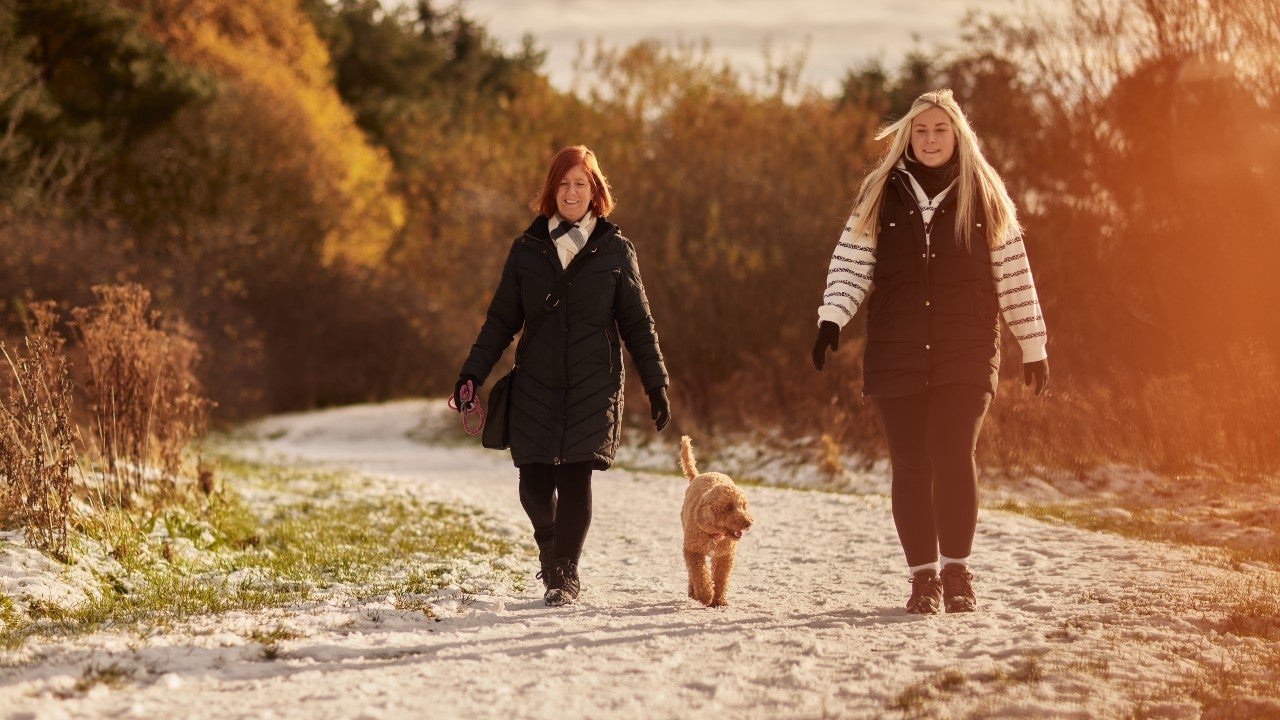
[544, 567]
[562, 583]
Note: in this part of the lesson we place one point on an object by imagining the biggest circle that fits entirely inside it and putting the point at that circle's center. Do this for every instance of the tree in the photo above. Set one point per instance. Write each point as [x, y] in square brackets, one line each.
[81, 84]
[278, 155]
[388, 64]
[870, 86]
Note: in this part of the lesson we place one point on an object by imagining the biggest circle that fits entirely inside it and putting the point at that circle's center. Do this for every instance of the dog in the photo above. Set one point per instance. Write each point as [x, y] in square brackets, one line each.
[714, 517]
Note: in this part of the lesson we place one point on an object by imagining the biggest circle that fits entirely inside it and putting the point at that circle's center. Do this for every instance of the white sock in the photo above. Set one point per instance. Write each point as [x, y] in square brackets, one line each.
[962, 562]
[927, 566]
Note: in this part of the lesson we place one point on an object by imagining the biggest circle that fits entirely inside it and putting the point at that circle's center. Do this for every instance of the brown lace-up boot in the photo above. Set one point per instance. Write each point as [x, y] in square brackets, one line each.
[926, 593]
[957, 592]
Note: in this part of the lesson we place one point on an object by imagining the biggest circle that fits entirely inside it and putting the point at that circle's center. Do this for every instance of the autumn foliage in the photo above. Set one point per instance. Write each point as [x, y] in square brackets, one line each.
[325, 191]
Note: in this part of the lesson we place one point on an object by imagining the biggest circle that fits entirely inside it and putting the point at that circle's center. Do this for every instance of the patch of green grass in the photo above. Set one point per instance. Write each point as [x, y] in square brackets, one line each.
[352, 540]
[165, 597]
[41, 609]
[8, 615]
[277, 537]
[120, 531]
[12, 626]
[235, 526]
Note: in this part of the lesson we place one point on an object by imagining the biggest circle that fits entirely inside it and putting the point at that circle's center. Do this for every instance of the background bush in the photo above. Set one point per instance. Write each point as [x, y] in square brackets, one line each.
[325, 192]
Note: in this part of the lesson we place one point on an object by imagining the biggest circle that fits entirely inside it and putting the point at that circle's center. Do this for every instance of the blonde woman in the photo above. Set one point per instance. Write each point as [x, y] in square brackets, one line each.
[935, 245]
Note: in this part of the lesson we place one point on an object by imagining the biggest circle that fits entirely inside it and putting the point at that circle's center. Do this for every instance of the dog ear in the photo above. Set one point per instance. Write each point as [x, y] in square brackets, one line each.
[707, 509]
[719, 503]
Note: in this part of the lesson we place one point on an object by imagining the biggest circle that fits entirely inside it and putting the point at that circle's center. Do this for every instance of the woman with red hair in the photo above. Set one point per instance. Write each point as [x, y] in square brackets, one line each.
[566, 400]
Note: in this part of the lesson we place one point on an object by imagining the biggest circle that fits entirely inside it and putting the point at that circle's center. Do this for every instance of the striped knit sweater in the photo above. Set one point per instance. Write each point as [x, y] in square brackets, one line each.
[849, 281]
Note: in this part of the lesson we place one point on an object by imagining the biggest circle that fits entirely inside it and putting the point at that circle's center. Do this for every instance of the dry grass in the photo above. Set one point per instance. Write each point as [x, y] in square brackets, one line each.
[1164, 422]
[37, 437]
[145, 408]
[142, 388]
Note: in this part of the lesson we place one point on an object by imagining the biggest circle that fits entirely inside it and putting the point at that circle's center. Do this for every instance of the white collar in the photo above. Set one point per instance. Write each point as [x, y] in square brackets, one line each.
[922, 199]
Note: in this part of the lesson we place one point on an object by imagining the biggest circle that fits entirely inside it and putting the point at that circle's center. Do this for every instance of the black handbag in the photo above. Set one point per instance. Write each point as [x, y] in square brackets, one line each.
[497, 430]
[497, 416]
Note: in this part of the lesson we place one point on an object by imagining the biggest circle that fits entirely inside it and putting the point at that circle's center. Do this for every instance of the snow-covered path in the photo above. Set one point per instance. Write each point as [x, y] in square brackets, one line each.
[1071, 623]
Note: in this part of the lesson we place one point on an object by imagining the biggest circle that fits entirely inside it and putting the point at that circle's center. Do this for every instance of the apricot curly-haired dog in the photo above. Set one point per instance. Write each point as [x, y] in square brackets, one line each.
[714, 517]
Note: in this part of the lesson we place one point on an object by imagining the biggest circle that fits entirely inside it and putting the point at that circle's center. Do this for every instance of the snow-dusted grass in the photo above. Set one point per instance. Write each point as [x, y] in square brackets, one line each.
[347, 531]
[273, 537]
[1144, 523]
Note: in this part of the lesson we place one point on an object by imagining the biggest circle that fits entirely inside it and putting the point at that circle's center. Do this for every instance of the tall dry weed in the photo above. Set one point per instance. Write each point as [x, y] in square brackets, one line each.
[1221, 417]
[37, 436]
[143, 391]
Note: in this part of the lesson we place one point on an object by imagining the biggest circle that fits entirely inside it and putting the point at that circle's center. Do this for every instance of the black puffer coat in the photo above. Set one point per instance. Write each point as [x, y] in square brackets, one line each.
[566, 401]
[933, 316]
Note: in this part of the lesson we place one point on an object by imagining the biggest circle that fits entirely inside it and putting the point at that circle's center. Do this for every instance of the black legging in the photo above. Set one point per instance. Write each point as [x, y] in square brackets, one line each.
[932, 437]
[557, 499]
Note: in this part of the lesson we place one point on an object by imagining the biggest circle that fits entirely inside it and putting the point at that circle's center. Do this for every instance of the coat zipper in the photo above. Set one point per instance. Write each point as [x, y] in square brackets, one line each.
[928, 226]
[928, 251]
[547, 253]
[583, 254]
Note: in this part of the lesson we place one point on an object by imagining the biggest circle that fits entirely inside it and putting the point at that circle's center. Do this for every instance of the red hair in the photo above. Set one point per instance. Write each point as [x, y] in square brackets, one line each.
[567, 159]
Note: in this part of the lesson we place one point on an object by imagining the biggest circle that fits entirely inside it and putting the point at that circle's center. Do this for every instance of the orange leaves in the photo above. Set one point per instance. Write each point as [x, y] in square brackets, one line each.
[290, 136]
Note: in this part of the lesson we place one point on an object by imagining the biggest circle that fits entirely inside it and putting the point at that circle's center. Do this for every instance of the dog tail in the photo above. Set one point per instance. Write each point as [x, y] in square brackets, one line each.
[686, 457]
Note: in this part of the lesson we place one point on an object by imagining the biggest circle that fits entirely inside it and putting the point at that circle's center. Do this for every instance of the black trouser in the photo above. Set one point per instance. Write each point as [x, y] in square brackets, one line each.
[557, 499]
[932, 437]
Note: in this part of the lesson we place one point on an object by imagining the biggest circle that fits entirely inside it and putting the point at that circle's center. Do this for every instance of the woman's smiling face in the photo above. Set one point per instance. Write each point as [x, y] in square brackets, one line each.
[933, 139]
[573, 196]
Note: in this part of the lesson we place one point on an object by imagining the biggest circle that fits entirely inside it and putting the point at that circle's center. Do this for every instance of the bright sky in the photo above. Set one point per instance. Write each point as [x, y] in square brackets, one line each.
[840, 33]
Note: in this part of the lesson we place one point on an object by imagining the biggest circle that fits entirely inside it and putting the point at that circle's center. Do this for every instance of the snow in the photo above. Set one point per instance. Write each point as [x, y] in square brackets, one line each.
[1071, 623]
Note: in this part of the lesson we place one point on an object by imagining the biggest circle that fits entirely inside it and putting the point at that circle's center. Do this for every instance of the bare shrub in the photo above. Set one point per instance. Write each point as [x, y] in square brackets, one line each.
[37, 437]
[142, 389]
[1166, 422]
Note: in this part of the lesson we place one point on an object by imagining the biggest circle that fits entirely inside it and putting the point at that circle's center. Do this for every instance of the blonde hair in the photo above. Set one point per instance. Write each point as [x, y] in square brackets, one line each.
[976, 181]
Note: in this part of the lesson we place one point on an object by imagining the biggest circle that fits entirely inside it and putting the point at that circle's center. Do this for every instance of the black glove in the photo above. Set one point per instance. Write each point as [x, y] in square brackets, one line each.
[659, 408]
[1036, 374]
[828, 337]
[457, 388]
